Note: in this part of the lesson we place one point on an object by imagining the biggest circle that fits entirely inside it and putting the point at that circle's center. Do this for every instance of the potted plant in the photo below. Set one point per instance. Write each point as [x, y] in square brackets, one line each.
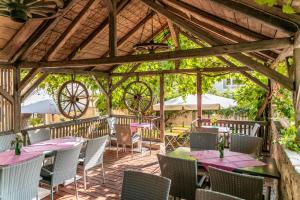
[18, 143]
[214, 120]
[221, 146]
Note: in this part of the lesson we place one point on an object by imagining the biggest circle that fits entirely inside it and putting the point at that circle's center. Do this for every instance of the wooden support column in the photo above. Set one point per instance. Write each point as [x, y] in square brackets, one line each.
[199, 98]
[17, 101]
[113, 29]
[109, 96]
[297, 89]
[161, 107]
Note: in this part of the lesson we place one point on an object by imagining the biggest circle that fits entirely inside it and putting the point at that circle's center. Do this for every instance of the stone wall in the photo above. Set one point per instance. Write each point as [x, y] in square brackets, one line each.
[288, 163]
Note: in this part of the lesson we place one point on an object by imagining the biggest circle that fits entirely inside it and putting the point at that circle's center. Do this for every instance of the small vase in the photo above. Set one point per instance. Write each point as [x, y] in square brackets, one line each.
[18, 149]
[221, 153]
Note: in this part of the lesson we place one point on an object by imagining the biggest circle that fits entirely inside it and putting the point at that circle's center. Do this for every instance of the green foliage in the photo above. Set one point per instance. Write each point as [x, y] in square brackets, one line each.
[288, 138]
[283, 101]
[286, 8]
[35, 121]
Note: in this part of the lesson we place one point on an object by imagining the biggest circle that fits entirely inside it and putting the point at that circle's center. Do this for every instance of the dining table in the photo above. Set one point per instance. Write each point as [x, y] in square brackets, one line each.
[236, 162]
[47, 148]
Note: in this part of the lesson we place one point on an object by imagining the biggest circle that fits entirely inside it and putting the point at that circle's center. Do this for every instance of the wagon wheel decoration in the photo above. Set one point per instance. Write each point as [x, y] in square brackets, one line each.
[73, 99]
[138, 97]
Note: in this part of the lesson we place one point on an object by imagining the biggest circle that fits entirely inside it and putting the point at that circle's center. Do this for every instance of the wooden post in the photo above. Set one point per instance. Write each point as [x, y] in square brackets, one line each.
[109, 97]
[297, 88]
[161, 107]
[17, 101]
[199, 98]
[113, 29]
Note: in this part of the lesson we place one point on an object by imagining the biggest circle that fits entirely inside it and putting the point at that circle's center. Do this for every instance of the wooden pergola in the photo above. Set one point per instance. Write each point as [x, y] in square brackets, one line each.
[94, 37]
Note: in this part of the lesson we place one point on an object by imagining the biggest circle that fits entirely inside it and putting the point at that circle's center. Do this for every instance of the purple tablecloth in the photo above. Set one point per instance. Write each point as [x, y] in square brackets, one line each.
[134, 126]
[32, 151]
[231, 160]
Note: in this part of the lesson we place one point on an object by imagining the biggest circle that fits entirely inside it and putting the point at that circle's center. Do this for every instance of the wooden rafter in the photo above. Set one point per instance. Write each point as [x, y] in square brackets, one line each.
[40, 33]
[175, 38]
[263, 17]
[29, 76]
[76, 23]
[171, 55]
[112, 29]
[98, 30]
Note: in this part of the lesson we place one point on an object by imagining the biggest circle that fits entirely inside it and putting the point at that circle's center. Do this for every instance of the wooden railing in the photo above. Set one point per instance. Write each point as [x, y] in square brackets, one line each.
[147, 134]
[87, 128]
[242, 127]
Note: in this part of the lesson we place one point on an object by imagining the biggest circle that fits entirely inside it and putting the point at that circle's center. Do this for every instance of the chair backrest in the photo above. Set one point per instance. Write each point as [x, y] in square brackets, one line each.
[111, 124]
[183, 175]
[94, 152]
[203, 140]
[5, 141]
[246, 144]
[142, 186]
[39, 135]
[65, 164]
[255, 129]
[18, 182]
[206, 129]
[235, 184]
[124, 134]
[212, 195]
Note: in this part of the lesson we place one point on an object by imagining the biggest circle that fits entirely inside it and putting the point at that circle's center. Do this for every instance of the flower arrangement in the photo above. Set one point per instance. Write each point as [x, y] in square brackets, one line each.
[17, 143]
[221, 146]
[214, 119]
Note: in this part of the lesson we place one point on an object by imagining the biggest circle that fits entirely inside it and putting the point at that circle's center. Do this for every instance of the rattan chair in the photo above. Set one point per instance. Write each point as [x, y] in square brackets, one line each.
[64, 168]
[203, 140]
[206, 129]
[239, 185]
[39, 135]
[255, 129]
[246, 144]
[5, 141]
[93, 156]
[183, 174]
[142, 186]
[212, 195]
[126, 137]
[21, 181]
[112, 129]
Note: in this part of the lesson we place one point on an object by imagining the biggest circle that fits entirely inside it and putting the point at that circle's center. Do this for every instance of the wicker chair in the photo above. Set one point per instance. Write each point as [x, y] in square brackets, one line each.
[183, 174]
[5, 141]
[246, 144]
[39, 135]
[112, 129]
[21, 181]
[142, 186]
[63, 168]
[212, 195]
[239, 185]
[255, 129]
[203, 140]
[125, 137]
[206, 130]
[93, 156]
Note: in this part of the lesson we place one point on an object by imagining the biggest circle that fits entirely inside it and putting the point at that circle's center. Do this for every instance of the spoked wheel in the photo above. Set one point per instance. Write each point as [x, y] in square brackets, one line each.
[138, 97]
[73, 99]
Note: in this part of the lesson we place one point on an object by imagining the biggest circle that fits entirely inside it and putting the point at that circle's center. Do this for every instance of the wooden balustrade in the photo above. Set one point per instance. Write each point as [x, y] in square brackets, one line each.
[147, 134]
[242, 127]
[87, 128]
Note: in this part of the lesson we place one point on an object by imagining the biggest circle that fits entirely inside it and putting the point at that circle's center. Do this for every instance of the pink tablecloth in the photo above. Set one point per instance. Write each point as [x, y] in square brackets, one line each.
[32, 151]
[231, 160]
[134, 126]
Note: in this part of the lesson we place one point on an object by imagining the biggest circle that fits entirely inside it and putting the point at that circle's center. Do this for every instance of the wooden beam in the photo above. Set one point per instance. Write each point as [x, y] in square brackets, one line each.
[6, 95]
[76, 23]
[262, 17]
[161, 106]
[33, 86]
[199, 98]
[175, 38]
[184, 71]
[99, 29]
[213, 18]
[17, 101]
[172, 55]
[101, 86]
[40, 33]
[69, 71]
[29, 76]
[113, 29]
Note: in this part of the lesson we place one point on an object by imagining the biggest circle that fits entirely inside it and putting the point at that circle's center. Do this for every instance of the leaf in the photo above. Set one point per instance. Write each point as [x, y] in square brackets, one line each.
[288, 9]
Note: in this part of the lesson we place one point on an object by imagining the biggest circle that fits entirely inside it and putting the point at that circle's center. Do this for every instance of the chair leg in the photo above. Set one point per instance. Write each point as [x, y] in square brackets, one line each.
[84, 179]
[51, 192]
[76, 191]
[103, 173]
[132, 149]
[117, 150]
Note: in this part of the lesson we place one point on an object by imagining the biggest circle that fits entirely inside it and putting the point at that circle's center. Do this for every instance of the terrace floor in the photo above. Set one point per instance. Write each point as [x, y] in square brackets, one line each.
[113, 175]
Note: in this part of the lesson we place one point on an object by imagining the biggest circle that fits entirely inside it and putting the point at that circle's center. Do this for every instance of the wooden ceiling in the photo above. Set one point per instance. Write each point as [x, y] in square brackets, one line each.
[82, 30]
